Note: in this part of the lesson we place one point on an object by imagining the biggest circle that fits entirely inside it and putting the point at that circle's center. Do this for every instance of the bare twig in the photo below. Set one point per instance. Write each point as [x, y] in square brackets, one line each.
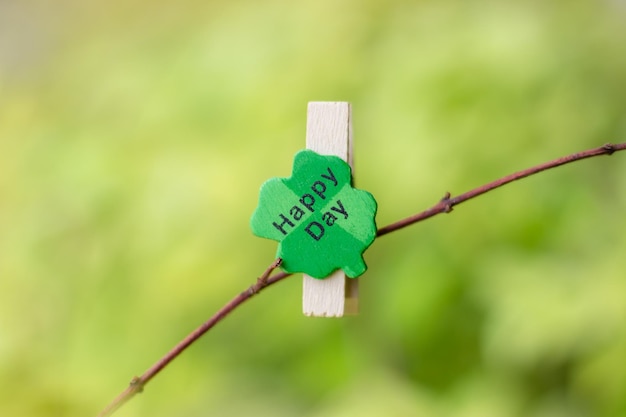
[447, 203]
[139, 382]
[444, 206]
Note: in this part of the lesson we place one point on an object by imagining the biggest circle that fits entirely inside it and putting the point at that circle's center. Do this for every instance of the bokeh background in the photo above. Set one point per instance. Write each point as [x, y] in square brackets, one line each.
[134, 136]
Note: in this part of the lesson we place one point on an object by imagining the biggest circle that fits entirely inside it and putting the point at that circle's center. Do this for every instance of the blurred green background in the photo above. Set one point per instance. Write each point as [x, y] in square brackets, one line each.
[134, 137]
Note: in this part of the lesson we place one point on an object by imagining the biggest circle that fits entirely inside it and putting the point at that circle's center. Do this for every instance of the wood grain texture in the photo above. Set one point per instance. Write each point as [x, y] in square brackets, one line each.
[329, 132]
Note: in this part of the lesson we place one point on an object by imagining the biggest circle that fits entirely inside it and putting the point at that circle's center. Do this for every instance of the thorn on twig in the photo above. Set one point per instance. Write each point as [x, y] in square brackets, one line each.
[261, 282]
[136, 384]
[446, 202]
[609, 148]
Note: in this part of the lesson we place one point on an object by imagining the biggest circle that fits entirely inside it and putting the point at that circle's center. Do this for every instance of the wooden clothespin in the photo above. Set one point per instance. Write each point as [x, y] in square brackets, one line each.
[322, 223]
[329, 132]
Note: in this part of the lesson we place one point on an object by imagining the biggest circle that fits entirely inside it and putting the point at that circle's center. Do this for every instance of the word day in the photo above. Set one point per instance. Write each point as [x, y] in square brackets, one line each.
[307, 201]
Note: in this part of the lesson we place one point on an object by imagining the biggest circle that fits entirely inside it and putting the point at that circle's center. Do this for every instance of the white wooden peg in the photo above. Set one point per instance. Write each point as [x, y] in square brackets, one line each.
[329, 132]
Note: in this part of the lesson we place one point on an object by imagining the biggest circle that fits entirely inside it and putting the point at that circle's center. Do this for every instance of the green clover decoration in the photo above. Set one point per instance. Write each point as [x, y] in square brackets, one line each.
[321, 222]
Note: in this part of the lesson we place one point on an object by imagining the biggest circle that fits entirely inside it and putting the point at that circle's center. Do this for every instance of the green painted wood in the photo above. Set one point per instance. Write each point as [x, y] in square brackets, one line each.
[321, 222]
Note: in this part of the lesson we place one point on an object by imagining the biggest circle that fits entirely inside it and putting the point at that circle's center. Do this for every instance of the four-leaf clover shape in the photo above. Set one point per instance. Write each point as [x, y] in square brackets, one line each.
[321, 222]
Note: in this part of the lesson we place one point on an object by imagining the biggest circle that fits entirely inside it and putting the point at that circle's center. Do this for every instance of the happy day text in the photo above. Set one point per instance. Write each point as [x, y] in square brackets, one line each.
[307, 201]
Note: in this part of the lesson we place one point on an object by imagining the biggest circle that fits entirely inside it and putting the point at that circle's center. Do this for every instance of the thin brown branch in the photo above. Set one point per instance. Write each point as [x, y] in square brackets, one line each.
[447, 203]
[265, 280]
[138, 383]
